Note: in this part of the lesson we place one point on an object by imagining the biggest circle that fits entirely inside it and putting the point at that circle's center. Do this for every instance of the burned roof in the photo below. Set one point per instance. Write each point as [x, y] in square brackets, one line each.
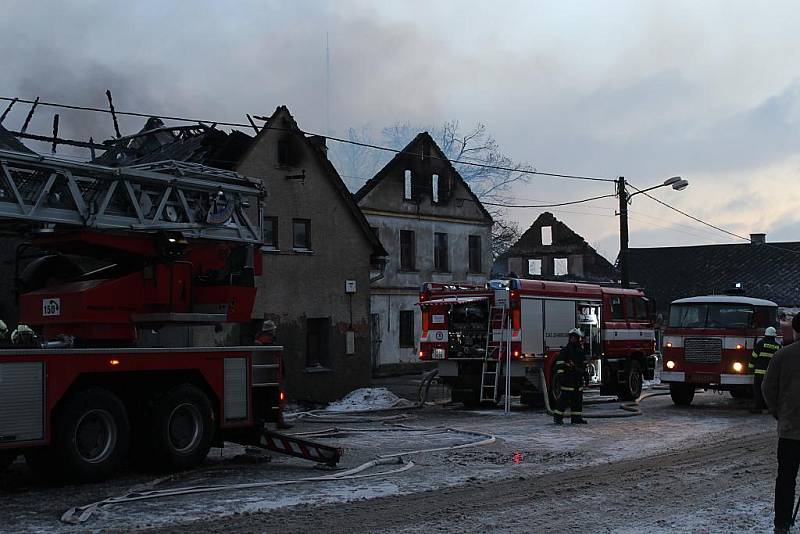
[767, 271]
[9, 142]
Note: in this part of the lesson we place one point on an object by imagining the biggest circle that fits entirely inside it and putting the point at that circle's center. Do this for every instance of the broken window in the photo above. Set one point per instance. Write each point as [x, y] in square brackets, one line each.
[547, 235]
[318, 342]
[435, 188]
[475, 254]
[271, 232]
[406, 328]
[407, 185]
[407, 250]
[302, 233]
[535, 267]
[440, 253]
[560, 266]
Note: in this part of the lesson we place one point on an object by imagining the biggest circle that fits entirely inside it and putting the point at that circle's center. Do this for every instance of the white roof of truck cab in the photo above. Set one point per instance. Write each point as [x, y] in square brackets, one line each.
[453, 300]
[725, 299]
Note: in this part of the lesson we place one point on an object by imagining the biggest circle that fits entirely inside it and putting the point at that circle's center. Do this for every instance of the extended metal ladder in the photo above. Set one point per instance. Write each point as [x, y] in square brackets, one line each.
[493, 357]
[198, 201]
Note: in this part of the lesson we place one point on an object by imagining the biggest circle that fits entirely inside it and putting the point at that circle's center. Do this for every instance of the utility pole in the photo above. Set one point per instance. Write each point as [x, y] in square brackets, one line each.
[623, 232]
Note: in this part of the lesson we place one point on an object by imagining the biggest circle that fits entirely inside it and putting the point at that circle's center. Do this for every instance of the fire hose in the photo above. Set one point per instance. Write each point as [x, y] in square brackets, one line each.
[631, 408]
[80, 514]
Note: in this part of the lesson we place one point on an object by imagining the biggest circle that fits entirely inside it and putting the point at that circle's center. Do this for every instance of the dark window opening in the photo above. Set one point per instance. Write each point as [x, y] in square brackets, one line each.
[318, 342]
[287, 155]
[407, 250]
[475, 254]
[271, 232]
[406, 328]
[440, 253]
[616, 308]
[302, 233]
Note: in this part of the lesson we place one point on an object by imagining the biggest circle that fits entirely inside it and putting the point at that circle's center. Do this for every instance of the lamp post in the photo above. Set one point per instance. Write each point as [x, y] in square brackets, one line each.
[677, 183]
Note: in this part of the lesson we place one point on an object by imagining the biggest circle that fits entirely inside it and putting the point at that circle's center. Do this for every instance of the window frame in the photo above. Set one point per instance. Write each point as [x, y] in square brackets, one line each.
[271, 221]
[307, 223]
[473, 268]
[411, 265]
[441, 255]
[405, 329]
[540, 264]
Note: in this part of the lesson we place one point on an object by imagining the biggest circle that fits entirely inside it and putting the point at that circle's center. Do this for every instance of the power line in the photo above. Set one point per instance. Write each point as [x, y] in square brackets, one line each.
[570, 203]
[336, 139]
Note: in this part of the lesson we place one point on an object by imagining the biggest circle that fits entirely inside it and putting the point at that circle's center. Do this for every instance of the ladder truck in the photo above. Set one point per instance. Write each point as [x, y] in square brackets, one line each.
[130, 278]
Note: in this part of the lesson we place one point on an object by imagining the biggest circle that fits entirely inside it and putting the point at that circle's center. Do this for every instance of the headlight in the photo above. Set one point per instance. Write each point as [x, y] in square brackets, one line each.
[670, 364]
[668, 344]
[737, 366]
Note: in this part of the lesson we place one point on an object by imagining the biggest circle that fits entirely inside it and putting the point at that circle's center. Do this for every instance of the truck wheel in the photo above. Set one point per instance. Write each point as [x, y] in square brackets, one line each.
[182, 428]
[631, 389]
[682, 394]
[91, 435]
[6, 458]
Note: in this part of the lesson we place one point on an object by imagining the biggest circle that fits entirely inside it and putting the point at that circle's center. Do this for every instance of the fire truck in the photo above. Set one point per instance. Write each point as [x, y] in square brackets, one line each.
[515, 328]
[130, 280]
[708, 341]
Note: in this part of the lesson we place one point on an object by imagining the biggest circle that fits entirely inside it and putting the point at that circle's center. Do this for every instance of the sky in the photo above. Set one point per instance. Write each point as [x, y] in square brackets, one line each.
[709, 91]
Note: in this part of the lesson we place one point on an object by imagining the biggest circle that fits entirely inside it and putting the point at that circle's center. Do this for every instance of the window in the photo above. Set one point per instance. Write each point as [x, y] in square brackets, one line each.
[713, 315]
[408, 250]
[407, 185]
[440, 253]
[286, 157]
[535, 267]
[406, 328]
[318, 342]
[560, 266]
[547, 235]
[435, 188]
[475, 254]
[640, 305]
[271, 232]
[302, 234]
[616, 308]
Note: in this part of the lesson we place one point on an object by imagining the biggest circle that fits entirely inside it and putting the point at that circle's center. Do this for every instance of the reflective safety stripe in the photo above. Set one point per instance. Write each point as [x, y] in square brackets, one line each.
[751, 366]
[760, 371]
[567, 389]
[575, 413]
[558, 412]
[559, 371]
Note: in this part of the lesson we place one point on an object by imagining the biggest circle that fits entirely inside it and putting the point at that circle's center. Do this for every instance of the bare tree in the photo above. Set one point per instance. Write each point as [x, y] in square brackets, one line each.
[475, 154]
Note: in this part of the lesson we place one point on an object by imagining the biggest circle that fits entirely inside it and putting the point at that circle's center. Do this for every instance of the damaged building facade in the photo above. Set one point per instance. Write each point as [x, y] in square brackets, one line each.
[318, 248]
[550, 250]
[434, 229]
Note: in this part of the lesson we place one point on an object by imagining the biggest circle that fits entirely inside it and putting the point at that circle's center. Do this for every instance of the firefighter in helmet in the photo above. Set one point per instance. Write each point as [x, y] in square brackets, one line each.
[759, 360]
[570, 367]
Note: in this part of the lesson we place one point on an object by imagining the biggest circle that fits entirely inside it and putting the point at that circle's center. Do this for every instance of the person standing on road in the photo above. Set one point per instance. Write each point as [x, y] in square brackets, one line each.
[781, 389]
[570, 365]
[759, 360]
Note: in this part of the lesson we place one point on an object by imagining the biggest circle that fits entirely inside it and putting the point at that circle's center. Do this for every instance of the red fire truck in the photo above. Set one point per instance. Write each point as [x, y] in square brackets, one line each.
[708, 341]
[472, 331]
[130, 281]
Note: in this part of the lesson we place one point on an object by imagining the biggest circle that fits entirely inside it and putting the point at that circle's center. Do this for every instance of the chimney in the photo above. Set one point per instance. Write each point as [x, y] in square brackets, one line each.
[758, 239]
[320, 142]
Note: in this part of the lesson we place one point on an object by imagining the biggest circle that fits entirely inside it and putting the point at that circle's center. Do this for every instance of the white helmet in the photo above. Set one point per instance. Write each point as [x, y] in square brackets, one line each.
[770, 331]
[576, 332]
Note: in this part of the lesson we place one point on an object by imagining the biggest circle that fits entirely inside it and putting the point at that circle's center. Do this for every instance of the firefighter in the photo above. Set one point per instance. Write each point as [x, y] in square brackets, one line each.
[759, 360]
[782, 394]
[570, 366]
[24, 336]
[267, 334]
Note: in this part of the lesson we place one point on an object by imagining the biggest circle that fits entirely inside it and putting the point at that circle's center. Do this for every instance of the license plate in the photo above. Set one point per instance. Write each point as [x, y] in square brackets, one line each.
[703, 378]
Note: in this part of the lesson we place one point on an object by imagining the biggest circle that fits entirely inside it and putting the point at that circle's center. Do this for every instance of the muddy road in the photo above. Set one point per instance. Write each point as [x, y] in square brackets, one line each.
[699, 488]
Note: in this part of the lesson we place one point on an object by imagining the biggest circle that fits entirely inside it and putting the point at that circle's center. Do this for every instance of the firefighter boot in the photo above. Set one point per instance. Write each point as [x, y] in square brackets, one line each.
[579, 421]
[558, 419]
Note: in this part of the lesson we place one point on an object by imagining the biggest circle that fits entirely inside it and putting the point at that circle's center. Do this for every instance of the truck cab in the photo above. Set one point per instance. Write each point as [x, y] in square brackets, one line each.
[708, 341]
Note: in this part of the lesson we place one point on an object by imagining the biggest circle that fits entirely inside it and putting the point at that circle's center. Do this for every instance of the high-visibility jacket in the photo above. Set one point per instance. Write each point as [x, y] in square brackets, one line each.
[570, 365]
[762, 354]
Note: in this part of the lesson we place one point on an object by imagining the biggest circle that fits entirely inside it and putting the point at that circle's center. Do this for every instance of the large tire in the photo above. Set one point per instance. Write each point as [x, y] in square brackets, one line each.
[682, 394]
[91, 436]
[7, 458]
[182, 428]
[631, 388]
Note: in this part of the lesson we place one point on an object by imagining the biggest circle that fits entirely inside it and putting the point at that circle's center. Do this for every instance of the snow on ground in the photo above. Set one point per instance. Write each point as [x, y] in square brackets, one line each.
[528, 444]
[367, 399]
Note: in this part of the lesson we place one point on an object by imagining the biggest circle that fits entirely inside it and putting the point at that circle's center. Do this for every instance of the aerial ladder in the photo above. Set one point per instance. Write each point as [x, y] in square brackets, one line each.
[129, 277]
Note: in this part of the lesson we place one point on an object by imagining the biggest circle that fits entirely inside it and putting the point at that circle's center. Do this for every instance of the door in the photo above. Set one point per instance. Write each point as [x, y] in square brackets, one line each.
[375, 337]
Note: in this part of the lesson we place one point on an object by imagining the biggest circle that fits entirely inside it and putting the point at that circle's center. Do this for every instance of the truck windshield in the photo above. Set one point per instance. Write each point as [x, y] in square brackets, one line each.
[726, 315]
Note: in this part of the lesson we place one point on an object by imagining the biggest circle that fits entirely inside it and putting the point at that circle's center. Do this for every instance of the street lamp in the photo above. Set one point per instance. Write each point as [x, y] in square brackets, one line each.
[676, 182]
